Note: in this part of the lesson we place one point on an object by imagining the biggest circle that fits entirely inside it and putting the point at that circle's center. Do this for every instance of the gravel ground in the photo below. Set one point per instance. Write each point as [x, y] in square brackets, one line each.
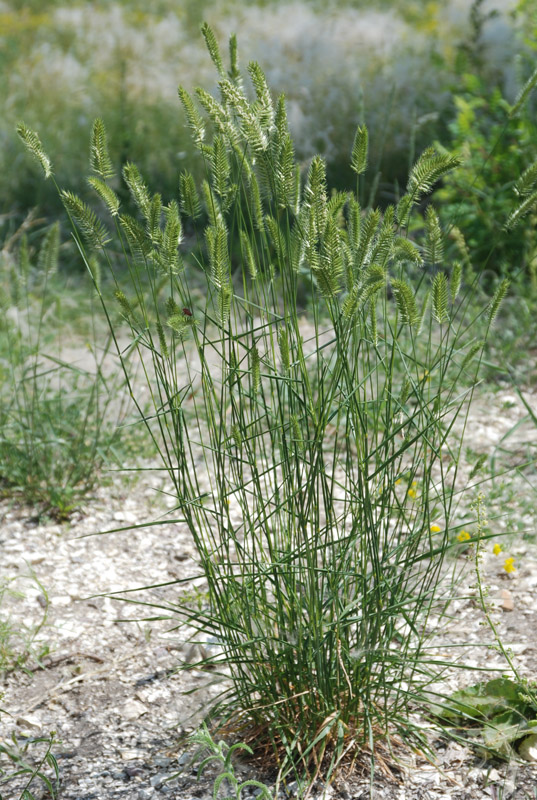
[109, 687]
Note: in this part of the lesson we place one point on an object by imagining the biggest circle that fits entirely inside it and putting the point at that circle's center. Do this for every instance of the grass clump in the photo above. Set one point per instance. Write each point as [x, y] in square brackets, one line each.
[57, 412]
[304, 406]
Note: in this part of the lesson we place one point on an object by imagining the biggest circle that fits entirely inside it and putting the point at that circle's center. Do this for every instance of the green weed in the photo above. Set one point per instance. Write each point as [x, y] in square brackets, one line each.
[56, 416]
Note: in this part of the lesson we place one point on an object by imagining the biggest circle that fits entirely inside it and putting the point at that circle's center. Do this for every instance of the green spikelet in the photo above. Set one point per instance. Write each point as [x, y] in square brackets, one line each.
[404, 207]
[220, 167]
[295, 199]
[219, 116]
[384, 244]
[277, 239]
[99, 158]
[189, 199]
[497, 299]
[354, 224]
[252, 126]
[162, 340]
[179, 325]
[478, 465]
[224, 304]
[373, 330]
[247, 255]
[330, 268]
[255, 204]
[153, 219]
[428, 169]
[359, 150]
[213, 48]
[350, 305]
[458, 237]
[285, 174]
[107, 195]
[280, 120]
[405, 301]
[124, 304]
[315, 195]
[167, 257]
[471, 354]
[521, 211]
[296, 434]
[236, 435]
[95, 272]
[24, 257]
[455, 281]
[92, 229]
[423, 310]
[33, 144]
[434, 239]
[137, 188]
[335, 207]
[369, 229]
[255, 369]
[264, 100]
[212, 206]
[217, 247]
[373, 281]
[233, 377]
[194, 119]
[440, 298]
[405, 391]
[283, 344]
[526, 182]
[523, 95]
[234, 72]
[405, 250]
[136, 236]
[171, 307]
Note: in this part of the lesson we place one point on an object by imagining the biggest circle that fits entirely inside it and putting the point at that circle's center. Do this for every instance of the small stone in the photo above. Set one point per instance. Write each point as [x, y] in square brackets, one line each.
[28, 721]
[184, 759]
[133, 709]
[508, 603]
[132, 770]
[130, 755]
[528, 748]
[158, 780]
[162, 761]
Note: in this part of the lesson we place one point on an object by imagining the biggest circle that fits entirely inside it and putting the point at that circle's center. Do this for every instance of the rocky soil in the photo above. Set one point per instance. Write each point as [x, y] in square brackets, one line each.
[106, 680]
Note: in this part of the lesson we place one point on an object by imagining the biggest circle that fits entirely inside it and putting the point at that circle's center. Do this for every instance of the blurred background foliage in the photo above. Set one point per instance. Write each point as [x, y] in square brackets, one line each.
[414, 71]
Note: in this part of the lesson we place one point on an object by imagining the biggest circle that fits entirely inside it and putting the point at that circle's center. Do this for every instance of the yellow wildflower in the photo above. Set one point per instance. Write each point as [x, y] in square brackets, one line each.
[398, 481]
[463, 536]
[509, 565]
[435, 528]
[412, 493]
[497, 549]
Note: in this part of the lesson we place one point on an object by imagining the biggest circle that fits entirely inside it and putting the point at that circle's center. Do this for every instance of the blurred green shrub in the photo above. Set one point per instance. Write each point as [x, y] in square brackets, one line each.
[478, 197]
[67, 63]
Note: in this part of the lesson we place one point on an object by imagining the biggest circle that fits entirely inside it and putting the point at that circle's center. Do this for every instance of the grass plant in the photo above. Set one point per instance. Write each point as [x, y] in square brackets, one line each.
[58, 418]
[26, 764]
[304, 405]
